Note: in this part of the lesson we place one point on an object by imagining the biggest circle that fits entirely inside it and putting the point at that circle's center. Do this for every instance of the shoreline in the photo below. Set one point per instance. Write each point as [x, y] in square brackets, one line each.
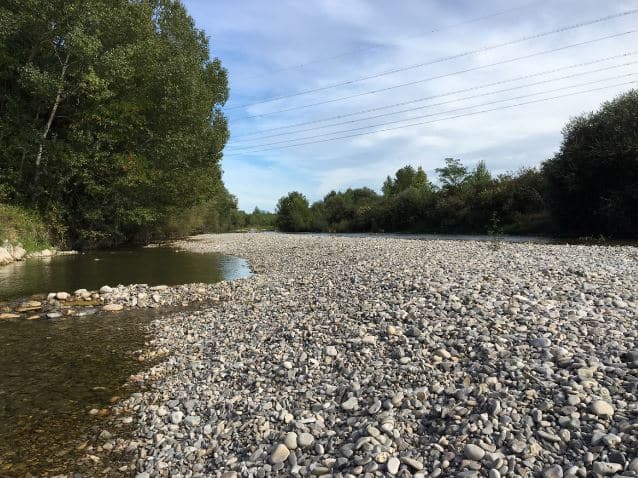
[374, 355]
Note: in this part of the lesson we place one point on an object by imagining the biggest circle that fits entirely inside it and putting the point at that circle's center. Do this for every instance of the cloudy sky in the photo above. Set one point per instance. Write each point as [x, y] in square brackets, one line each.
[305, 111]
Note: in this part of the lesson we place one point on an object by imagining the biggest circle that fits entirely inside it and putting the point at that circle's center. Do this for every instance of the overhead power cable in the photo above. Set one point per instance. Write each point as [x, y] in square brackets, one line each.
[259, 135]
[445, 75]
[358, 51]
[234, 153]
[439, 113]
[442, 59]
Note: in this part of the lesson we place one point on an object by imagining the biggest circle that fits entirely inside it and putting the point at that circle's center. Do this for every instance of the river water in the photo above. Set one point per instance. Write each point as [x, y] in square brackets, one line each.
[91, 270]
[53, 372]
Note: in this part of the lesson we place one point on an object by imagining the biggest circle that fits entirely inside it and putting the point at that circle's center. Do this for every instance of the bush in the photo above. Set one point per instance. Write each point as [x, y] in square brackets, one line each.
[18, 225]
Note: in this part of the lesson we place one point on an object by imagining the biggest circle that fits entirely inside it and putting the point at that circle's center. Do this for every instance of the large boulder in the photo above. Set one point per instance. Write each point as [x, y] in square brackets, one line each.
[5, 257]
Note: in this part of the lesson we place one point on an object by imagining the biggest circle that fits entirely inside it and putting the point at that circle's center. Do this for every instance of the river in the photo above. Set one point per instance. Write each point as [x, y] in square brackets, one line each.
[54, 372]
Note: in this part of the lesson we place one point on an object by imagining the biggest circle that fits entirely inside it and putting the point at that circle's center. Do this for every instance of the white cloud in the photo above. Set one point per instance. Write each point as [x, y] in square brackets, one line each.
[253, 37]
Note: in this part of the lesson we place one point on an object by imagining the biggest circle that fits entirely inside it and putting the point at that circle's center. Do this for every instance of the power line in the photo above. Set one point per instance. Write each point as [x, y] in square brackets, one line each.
[434, 121]
[439, 113]
[446, 75]
[442, 59]
[376, 47]
[449, 93]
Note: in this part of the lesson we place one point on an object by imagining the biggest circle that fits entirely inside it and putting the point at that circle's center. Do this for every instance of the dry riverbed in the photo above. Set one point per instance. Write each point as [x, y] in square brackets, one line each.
[384, 356]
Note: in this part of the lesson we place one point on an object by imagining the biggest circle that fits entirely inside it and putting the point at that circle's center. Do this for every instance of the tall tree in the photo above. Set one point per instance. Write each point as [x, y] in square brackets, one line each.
[452, 174]
[592, 182]
[110, 114]
[293, 213]
[406, 177]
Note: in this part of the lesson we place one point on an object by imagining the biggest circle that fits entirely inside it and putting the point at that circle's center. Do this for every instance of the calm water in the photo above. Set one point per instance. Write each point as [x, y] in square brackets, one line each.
[52, 372]
[92, 270]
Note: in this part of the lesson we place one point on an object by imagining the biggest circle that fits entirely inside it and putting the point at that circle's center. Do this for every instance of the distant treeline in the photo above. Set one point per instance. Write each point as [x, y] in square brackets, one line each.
[111, 127]
[589, 188]
[256, 220]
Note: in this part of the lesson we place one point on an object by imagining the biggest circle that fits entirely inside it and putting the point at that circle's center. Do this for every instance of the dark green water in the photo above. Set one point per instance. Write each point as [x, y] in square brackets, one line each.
[52, 372]
[92, 270]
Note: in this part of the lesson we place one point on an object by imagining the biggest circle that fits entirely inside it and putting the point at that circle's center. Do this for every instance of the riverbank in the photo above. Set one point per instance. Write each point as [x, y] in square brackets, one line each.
[372, 355]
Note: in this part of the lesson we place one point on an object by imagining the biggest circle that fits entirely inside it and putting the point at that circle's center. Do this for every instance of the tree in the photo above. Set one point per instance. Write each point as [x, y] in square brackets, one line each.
[111, 122]
[404, 178]
[452, 174]
[480, 178]
[592, 182]
[293, 213]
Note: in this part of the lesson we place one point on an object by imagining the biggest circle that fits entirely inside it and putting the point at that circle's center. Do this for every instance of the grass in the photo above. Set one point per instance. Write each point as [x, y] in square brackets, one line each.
[19, 225]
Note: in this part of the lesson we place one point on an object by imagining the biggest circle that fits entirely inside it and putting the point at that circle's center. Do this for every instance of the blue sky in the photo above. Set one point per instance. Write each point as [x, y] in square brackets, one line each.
[284, 47]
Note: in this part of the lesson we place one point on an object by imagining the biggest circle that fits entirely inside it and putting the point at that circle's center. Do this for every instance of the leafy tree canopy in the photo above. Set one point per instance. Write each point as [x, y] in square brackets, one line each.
[110, 114]
[404, 178]
[592, 182]
[293, 213]
[452, 174]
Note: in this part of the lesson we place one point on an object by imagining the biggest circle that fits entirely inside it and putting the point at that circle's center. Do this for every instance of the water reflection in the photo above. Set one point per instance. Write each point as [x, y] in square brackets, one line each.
[92, 270]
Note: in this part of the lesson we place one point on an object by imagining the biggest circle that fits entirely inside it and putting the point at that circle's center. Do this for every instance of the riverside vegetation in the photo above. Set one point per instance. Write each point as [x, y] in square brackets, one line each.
[110, 124]
[588, 189]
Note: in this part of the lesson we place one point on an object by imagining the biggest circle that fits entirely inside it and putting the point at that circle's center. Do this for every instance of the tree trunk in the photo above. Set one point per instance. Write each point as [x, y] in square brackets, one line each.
[56, 103]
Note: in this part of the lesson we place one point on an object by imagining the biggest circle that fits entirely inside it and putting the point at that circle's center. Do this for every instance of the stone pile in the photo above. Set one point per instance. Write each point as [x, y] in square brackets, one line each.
[386, 357]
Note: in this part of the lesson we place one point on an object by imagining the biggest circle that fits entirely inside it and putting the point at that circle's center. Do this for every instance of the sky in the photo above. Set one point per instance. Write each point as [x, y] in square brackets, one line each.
[560, 57]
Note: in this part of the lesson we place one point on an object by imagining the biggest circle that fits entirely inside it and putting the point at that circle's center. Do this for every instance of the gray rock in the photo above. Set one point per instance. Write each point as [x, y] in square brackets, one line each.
[291, 441]
[304, 440]
[393, 465]
[280, 454]
[191, 420]
[473, 452]
[602, 408]
[177, 417]
[605, 469]
[541, 342]
[554, 471]
[351, 404]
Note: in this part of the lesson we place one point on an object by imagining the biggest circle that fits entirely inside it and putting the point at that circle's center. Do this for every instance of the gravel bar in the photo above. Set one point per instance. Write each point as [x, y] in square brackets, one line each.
[391, 357]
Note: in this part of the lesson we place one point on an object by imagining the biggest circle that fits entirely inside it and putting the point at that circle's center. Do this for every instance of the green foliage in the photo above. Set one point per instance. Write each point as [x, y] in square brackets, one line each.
[468, 203]
[592, 182]
[404, 178]
[111, 124]
[452, 174]
[293, 213]
[257, 220]
[20, 226]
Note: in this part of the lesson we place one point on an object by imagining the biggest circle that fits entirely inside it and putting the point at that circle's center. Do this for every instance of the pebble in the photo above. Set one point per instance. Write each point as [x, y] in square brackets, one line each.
[393, 465]
[304, 440]
[191, 420]
[602, 408]
[605, 469]
[177, 417]
[554, 471]
[541, 342]
[473, 452]
[112, 307]
[350, 404]
[280, 454]
[389, 356]
[291, 441]
[412, 463]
